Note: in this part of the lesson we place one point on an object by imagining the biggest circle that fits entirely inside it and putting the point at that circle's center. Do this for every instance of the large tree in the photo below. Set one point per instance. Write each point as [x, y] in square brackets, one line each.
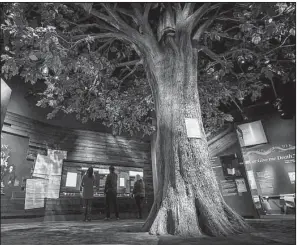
[118, 62]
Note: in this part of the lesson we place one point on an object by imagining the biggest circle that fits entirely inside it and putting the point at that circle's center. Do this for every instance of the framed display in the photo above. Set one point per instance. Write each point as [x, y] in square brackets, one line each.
[252, 133]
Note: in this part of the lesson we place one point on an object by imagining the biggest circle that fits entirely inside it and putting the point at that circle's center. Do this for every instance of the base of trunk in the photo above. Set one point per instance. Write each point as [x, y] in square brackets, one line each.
[191, 217]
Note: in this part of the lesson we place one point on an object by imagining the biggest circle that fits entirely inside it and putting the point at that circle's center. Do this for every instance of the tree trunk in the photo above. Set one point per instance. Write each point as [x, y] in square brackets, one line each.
[189, 202]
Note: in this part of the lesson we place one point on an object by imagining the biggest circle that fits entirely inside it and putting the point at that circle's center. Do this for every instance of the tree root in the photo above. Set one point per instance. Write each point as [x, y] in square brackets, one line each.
[177, 217]
[220, 221]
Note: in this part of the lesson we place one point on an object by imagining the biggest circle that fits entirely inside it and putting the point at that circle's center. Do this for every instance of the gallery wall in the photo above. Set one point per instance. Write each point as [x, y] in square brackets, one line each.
[266, 168]
[273, 163]
[81, 146]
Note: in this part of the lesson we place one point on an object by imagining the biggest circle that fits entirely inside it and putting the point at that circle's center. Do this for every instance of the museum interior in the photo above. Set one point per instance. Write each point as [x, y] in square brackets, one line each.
[43, 161]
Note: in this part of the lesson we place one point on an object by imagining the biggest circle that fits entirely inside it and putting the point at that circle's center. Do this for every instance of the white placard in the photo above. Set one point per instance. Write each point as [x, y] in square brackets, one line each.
[53, 186]
[241, 187]
[231, 171]
[252, 134]
[251, 180]
[193, 128]
[42, 167]
[36, 190]
[71, 179]
[292, 176]
[122, 182]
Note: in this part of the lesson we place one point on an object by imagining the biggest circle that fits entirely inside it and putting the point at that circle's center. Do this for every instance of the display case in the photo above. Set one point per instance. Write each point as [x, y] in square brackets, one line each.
[72, 173]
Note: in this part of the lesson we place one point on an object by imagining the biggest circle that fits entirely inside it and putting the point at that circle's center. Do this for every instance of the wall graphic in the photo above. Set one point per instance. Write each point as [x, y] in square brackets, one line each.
[48, 170]
[273, 168]
[16, 168]
[36, 190]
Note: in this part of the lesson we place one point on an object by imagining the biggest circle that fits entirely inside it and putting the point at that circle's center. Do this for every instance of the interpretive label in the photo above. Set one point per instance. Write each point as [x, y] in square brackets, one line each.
[271, 165]
[292, 176]
[36, 190]
[193, 128]
[251, 180]
[241, 187]
[229, 188]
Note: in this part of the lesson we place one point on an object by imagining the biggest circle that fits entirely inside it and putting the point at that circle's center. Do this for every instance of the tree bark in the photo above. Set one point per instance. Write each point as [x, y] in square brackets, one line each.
[188, 201]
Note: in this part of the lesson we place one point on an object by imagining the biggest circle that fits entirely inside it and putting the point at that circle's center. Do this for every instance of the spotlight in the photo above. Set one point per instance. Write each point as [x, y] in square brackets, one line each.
[286, 116]
[278, 104]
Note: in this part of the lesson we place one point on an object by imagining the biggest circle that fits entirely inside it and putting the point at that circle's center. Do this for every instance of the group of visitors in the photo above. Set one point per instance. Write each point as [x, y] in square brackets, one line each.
[110, 192]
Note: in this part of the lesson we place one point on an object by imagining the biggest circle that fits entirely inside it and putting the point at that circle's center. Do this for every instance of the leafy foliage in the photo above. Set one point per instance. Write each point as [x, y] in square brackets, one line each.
[5, 154]
[91, 68]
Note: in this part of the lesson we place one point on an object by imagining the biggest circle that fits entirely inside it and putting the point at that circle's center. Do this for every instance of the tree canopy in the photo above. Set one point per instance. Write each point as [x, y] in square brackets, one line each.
[87, 55]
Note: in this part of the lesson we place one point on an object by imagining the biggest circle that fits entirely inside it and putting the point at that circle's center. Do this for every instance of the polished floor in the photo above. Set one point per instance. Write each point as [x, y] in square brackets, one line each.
[124, 232]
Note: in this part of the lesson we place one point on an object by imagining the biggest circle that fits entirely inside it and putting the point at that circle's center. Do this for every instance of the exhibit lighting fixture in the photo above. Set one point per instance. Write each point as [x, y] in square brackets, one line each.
[134, 173]
[281, 107]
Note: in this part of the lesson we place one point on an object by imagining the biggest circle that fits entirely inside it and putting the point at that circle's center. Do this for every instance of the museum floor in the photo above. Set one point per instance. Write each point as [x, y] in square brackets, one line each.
[125, 232]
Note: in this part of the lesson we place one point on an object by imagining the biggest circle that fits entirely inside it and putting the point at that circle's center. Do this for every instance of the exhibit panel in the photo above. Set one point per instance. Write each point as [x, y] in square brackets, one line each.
[70, 201]
[272, 175]
[232, 181]
[270, 162]
[39, 188]
[73, 171]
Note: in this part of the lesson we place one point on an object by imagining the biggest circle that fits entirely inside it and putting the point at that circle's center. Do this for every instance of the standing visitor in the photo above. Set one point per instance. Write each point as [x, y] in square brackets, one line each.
[111, 193]
[139, 194]
[87, 184]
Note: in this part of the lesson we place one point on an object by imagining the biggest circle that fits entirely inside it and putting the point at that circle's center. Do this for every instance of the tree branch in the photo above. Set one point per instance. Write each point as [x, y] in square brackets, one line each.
[217, 57]
[142, 19]
[81, 38]
[232, 28]
[198, 14]
[201, 30]
[122, 29]
[110, 41]
[127, 13]
[239, 50]
[211, 54]
[178, 10]
[231, 19]
[101, 16]
[281, 46]
[146, 12]
[101, 26]
[130, 73]
[126, 28]
[129, 63]
[204, 26]
[188, 9]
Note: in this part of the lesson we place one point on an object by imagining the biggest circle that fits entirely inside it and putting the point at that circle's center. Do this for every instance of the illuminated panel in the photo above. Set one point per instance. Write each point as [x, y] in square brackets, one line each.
[71, 179]
[134, 173]
[252, 134]
[122, 182]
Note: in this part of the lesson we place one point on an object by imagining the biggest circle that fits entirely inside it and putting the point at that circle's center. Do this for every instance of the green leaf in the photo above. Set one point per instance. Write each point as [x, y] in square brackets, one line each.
[33, 57]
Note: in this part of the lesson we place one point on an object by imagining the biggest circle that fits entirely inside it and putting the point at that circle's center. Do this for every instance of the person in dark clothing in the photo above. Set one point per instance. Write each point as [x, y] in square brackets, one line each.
[87, 184]
[139, 194]
[111, 193]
